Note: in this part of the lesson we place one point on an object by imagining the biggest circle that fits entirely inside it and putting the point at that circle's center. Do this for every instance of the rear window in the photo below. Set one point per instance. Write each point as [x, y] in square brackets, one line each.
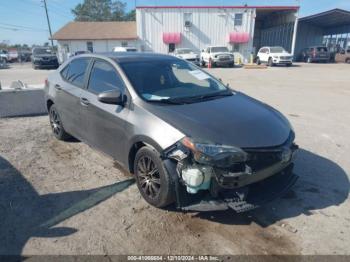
[75, 71]
[322, 49]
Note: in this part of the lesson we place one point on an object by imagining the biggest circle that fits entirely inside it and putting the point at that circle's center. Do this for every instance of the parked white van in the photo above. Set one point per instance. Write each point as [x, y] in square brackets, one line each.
[124, 49]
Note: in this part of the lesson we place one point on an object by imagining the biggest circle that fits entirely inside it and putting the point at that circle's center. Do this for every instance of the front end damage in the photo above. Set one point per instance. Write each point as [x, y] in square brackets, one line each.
[212, 177]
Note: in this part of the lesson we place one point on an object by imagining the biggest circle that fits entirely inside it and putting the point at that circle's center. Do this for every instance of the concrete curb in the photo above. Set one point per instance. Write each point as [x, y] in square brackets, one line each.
[22, 102]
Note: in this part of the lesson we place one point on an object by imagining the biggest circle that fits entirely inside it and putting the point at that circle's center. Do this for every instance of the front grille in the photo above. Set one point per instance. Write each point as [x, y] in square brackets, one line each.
[261, 160]
[285, 57]
[224, 58]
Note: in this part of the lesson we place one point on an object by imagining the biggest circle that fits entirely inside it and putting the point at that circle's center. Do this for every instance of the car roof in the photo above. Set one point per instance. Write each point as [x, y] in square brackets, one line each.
[121, 57]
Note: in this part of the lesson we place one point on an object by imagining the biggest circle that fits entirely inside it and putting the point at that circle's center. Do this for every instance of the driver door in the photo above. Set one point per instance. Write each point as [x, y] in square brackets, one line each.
[105, 122]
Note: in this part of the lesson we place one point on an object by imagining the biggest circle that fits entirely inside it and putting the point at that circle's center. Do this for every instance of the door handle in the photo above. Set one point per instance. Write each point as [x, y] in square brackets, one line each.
[58, 87]
[84, 101]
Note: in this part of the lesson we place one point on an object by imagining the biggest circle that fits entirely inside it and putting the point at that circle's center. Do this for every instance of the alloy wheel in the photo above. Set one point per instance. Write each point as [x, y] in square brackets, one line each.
[149, 177]
[55, 122]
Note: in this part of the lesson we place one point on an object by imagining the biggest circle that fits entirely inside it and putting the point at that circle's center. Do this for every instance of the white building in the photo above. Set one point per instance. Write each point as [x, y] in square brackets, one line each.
[243, 29]
[94, 37]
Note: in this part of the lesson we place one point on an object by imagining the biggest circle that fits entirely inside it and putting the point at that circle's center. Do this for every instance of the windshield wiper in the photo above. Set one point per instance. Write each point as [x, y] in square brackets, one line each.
[192, 99]
[165, 101]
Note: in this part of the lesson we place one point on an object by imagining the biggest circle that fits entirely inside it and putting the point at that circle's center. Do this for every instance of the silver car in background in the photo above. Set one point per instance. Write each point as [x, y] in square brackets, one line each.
[185, 136]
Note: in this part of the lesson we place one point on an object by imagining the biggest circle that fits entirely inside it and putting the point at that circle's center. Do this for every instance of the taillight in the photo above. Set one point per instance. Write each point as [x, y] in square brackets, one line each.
[46, 82]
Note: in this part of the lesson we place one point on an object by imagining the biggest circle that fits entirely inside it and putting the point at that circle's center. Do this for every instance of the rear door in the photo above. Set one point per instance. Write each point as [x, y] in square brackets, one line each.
[67, 97]
[263, 54]
[105, 122]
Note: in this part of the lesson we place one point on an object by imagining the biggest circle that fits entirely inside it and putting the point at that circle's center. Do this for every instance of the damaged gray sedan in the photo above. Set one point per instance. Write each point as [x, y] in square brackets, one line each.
[186, 137]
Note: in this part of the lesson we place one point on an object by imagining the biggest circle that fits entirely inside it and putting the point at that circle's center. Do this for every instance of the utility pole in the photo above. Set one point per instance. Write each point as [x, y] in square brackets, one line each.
[48, 22]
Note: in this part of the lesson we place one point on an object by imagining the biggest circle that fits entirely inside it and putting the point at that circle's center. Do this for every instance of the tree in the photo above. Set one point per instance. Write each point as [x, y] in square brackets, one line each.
[102, 10]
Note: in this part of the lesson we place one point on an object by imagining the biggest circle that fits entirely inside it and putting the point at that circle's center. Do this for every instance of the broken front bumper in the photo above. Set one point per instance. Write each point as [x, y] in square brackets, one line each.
[242, 199]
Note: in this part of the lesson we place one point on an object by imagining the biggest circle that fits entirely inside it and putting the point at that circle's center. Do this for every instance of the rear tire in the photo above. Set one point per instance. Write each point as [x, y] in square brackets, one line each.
[57, 125]
[258, 62]
[202, 63]
[155, 184]
[347, 61]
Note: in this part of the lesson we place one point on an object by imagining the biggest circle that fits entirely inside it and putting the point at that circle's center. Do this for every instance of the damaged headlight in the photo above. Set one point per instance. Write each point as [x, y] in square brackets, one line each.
[212, 154]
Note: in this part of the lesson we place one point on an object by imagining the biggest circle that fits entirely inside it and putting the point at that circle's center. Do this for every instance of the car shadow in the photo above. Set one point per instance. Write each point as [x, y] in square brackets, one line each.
[25, 214]
[322, 184]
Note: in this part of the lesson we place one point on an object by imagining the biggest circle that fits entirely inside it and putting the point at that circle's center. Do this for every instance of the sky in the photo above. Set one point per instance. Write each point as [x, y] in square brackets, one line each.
[24, 21]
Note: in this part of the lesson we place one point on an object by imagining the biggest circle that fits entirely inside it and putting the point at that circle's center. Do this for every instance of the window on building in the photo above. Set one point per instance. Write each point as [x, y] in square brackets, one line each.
[90, 47]
[104, 77]
[187, 19]
[75, 71]
[124, 43]
[171, 48]
[238, 19]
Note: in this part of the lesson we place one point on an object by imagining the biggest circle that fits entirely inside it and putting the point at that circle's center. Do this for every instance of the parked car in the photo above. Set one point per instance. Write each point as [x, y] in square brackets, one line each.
[274, 55]
[124, 49]
[44, 57]
[187, 54]
[218, 56]
[24, 56]
[4, 55]
[343, 56]
[315, 54]
[179, 130]
[13, 55]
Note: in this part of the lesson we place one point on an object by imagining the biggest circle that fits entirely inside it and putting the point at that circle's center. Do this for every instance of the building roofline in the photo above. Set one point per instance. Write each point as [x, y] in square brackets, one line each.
[93, 39]
[220, 7]
[305, 18]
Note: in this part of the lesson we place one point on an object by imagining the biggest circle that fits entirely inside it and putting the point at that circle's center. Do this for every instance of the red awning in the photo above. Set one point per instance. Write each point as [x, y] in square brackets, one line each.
[238, 37]
[171, 38]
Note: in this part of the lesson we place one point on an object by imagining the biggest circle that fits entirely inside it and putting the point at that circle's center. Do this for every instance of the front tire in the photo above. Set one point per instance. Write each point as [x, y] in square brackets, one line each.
[155, 184]
[270, 62]
[56, 125]
[347, 61]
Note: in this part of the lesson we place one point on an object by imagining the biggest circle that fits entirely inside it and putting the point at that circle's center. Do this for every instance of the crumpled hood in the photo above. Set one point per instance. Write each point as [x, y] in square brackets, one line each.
[236, 120]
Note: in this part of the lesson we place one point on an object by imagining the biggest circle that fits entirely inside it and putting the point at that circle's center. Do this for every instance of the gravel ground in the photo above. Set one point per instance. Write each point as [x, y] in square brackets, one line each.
[66, 198]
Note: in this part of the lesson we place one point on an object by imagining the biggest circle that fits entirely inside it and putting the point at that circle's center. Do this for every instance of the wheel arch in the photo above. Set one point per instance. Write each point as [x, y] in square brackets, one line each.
[136, 144]
[49, 103]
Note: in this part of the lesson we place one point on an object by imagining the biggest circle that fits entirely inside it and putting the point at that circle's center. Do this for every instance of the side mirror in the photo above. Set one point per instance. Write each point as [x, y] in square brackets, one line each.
[268, 52]
[202, 50]
[114, 97]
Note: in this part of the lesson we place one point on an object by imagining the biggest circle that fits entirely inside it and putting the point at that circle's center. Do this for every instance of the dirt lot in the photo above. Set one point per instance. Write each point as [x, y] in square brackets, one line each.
[66, 198]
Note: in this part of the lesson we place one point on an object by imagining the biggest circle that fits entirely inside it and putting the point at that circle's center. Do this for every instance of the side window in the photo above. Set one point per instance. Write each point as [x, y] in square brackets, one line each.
[104, 77]
[76, 71]
[238, 19]
[64, 72]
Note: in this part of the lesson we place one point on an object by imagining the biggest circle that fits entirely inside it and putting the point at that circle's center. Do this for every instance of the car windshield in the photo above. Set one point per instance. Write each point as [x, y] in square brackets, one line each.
[322, 49]
[184, 51]
[172, 81]
[277, 49]
[219, 49]
[42, 51]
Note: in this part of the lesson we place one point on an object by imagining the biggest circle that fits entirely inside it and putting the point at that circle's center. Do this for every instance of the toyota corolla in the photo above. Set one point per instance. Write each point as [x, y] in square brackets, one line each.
[187, 138]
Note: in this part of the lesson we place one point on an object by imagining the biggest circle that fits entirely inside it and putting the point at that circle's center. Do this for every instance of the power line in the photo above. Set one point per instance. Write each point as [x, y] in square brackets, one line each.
[24, 27]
